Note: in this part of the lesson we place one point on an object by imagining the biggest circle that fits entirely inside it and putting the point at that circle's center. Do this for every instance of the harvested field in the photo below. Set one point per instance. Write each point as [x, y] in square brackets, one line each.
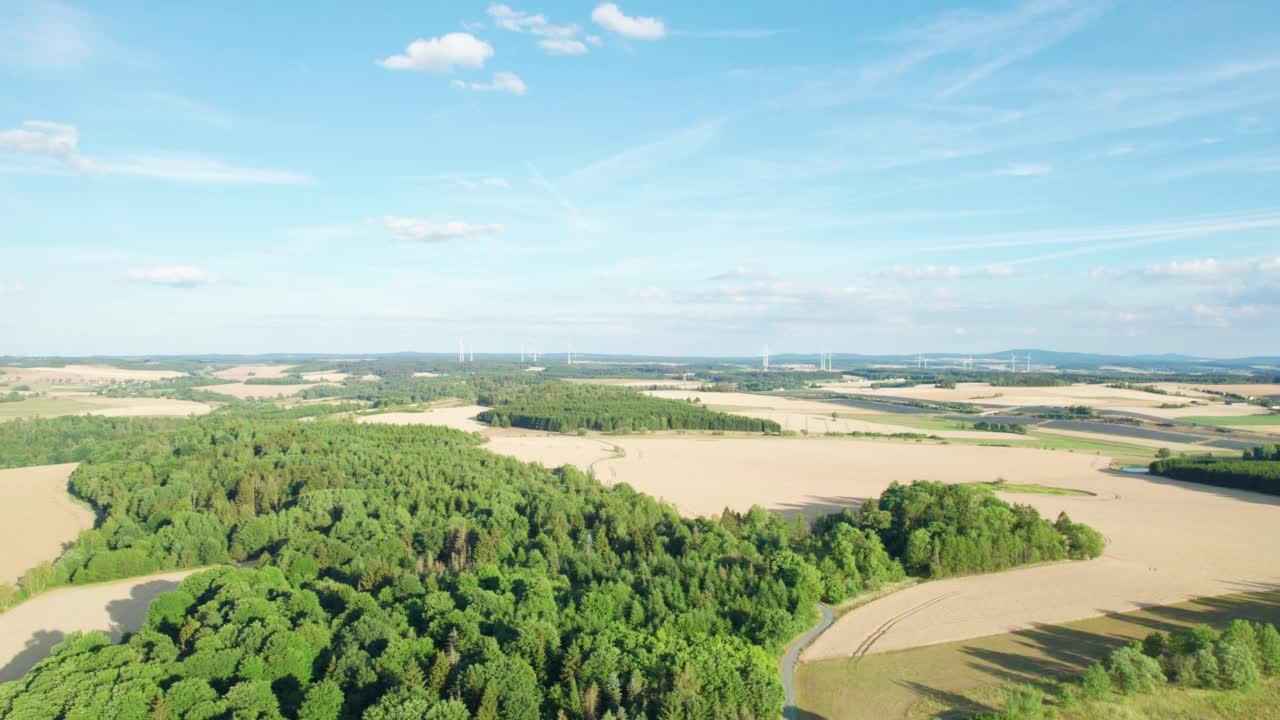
[702, 474]
[461, 417]
[325, 376]
[37, 517]
[550, 450]
[956, 679]
[1094, 395]
[59, 404]
[1151, 559]
[30, 630]
[812, 416]
[1200, 408]
[240, 373]
[242, 391]
[427, 374]
[81, 375]
[633, 383]
[1244, 389]
[1139, 441]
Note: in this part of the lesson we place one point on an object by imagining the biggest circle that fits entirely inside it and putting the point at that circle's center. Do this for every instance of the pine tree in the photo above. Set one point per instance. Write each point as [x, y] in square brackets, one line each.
[488, 709]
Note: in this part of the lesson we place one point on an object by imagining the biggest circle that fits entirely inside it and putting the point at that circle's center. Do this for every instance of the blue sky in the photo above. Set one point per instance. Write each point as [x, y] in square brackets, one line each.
[646, 177]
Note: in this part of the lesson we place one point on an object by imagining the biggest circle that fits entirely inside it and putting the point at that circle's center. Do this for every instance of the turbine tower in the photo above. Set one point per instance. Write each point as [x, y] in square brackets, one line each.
[765, 363]
[461, 357]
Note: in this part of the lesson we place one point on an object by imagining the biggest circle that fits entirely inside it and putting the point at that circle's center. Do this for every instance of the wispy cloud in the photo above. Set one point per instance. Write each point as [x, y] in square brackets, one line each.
[648, 156]
[419, 230]
[507, 82]
[177, 276]
[742, 273]
[46, 36]
[59, 144]
[1024, 170]
[903, 273]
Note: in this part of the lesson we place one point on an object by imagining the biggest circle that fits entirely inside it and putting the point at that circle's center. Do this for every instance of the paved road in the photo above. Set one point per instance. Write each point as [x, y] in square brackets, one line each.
[789, 710]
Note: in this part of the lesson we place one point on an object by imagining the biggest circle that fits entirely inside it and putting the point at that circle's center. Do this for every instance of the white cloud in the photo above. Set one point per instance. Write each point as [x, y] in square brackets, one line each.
[562, 46]
[949, 272]
[1211, 269]
[1119, 150]
[61, 142]
[594, 40]
[183, 276]
[419, 230]
[441, 54]
[11, 288]
[609, 16]
[1025, 170]
[502, 82]
[49, 139]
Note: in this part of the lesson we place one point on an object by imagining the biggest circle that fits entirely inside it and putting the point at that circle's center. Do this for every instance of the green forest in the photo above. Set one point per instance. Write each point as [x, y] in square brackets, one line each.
[404, 572]
[567, 407]
[1258, 470]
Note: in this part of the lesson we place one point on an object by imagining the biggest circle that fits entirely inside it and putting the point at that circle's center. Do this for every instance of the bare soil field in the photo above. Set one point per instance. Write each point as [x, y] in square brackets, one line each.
[37, 517]
[242, 391]
[30, 630]
[426, 374]
[244, 372]
[1167, 542]
[461, 417]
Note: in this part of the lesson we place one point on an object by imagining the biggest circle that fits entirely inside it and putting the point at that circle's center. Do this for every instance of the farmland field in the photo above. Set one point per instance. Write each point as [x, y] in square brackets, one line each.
[37, 517]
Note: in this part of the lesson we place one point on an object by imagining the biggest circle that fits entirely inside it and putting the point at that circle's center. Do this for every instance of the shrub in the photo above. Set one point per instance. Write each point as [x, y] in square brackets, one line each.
[1237, 670]
[1153, 645]
[1132, 672]
[1269, 649]
[1096, 684]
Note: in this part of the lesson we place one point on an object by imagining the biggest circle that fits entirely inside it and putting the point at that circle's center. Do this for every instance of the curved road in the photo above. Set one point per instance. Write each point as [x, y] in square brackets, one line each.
[789, 711]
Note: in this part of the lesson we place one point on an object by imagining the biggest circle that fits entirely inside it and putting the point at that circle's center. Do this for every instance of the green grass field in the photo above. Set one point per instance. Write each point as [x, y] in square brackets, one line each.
[1174, 703]
[1235, 420]
[953, 680]
[1029, 489]
[44, 407]
[918, 421]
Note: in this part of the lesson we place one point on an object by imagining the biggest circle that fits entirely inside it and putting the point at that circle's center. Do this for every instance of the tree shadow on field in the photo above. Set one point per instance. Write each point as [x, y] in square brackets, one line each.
[128, 614]
[814, 505]
[957, 706]
[806, 715]
[36, 649]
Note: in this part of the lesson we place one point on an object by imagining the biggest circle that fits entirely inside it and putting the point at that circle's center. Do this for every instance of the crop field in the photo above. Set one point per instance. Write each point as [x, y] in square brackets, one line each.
[30, 630]
[90, 404]
[37, 517]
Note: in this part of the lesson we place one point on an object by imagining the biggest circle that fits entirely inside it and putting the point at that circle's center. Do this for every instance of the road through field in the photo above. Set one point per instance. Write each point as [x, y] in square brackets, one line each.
[789, 659]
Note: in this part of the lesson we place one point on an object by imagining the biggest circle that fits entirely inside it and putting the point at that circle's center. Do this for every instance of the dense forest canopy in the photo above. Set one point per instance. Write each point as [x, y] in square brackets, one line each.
[566, 407]
[1258, 470]
[406, 573]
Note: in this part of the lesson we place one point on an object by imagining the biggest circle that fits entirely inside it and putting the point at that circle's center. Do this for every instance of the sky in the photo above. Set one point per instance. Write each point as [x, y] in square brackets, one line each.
[645, 177]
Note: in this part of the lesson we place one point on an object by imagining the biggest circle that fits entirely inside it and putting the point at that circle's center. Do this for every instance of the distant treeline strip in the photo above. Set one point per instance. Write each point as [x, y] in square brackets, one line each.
[563, 407]
[1258, 470]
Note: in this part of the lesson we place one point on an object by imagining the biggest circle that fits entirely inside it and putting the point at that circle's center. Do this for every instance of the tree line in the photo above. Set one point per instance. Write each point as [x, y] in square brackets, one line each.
[1258, 469]
[568, 407]
[1237, 658]
[405, 572]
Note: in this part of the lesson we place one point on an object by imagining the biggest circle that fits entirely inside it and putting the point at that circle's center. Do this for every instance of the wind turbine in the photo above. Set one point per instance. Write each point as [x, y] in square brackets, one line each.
[461, 358]
[765, 364]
